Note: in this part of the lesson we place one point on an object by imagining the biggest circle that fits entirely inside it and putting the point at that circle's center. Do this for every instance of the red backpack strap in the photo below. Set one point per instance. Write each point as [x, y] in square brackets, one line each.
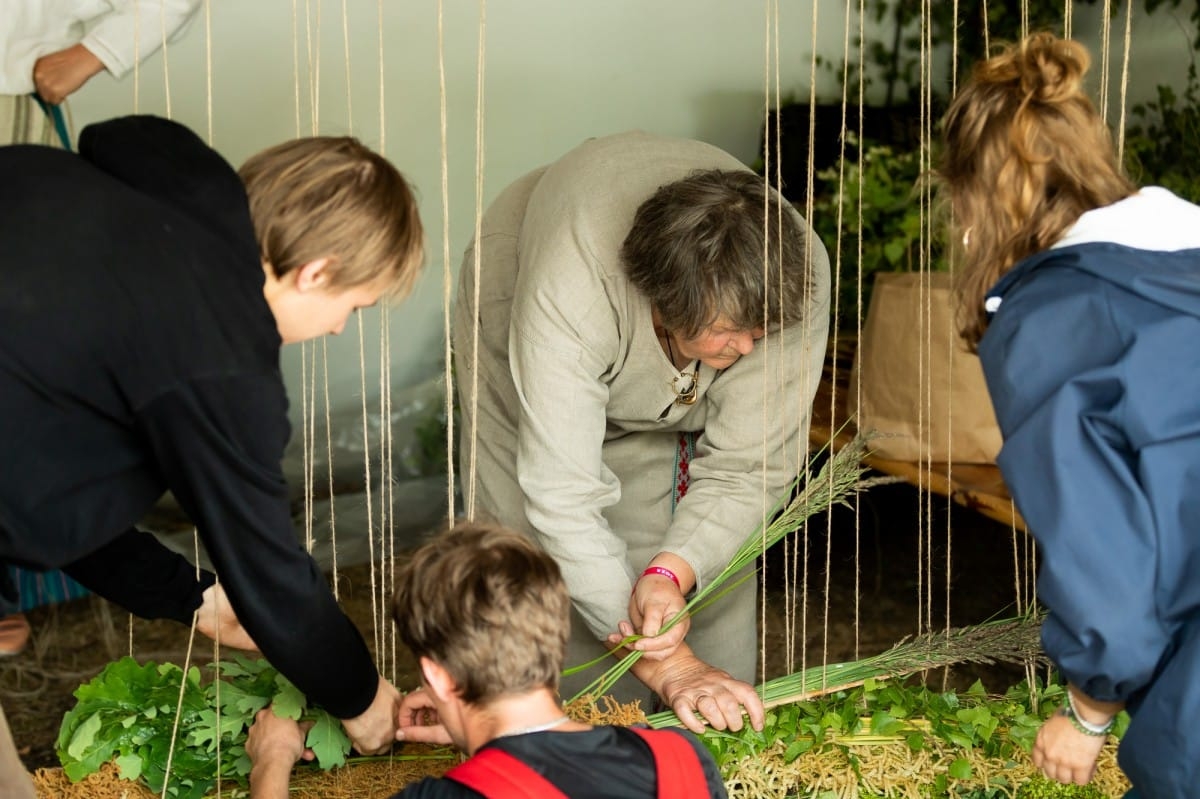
[498, 775]
[680, 775]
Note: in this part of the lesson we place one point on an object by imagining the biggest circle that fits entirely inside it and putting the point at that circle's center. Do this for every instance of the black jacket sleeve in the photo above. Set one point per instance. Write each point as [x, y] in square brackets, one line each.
[141, 575]
[219, 442]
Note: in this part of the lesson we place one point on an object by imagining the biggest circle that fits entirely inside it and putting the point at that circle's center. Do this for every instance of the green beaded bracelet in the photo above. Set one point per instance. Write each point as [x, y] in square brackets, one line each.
[1083, 725]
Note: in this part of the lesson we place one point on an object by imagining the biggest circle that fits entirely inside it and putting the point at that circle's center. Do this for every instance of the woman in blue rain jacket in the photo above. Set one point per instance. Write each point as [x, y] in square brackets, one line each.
[1081, 294]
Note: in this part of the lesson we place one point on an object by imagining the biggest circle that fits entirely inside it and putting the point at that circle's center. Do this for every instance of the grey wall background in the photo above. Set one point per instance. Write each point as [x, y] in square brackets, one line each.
[250, 73]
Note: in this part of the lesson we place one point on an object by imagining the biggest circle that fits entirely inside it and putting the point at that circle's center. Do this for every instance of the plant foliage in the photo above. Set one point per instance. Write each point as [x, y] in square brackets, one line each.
[975, 723]
[127, 713]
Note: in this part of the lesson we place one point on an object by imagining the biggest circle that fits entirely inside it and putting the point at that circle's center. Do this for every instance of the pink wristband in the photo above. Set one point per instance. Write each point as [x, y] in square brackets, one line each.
[663, 572]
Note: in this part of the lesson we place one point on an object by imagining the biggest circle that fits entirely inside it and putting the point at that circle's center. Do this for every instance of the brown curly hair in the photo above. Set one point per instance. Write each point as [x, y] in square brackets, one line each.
[1024, 156]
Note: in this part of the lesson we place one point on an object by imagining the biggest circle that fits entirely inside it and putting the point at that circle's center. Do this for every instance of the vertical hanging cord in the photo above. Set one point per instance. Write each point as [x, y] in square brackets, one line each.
[387, 315]
[858, 314]
[835, 299]
[329, 469]
[382, 103]
[789, 576]
[349, 83]
[137, 82]
[166, 61]
[476, 261]
[1067, 9]
[137, 65]
[187, 661]
[925, 417]
[296, 61]
[208, 83]
[769, 155]
[951, 333]
[1024, 18]
[315, 82]
[1125, 80]
[389, 577]
[362, 364]
[1105, 45]
[385, 490]
[921, 351]
[836, 290]
[801, 439]
[447, 286]
[987, 45]
[208, 108]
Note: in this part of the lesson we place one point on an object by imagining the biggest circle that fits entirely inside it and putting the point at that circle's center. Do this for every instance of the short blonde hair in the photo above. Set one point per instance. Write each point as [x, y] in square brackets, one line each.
[1024, 156]
[326, 196]
[489, 607]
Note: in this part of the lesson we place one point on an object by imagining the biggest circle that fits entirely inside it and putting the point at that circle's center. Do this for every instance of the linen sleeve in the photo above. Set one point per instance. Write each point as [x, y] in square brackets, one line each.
[1101, 433]
[561, 326]
[219, 442]
[135, 29]
[755, 437]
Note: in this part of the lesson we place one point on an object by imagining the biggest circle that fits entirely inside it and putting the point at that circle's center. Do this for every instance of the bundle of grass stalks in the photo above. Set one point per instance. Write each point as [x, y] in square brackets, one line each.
[837, 479]
[1002, 641]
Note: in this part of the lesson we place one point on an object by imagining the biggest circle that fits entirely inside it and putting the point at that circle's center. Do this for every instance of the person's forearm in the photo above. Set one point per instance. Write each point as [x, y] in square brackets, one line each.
[269, 779]
[1093, 711]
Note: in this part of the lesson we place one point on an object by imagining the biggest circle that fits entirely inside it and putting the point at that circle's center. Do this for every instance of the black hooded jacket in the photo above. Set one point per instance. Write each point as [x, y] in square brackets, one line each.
[138, 355]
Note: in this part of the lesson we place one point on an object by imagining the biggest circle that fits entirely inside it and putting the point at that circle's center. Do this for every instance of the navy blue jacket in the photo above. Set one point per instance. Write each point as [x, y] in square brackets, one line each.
[1092, 361]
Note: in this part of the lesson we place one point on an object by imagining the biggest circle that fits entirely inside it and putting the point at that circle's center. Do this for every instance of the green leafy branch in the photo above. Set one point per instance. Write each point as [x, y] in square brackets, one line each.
[127, 714]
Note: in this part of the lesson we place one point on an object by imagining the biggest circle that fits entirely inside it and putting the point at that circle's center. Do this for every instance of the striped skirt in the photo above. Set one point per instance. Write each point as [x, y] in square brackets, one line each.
[23, 121]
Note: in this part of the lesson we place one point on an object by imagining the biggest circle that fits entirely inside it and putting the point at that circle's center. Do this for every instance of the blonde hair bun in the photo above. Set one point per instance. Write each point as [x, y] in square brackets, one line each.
[1051, 69]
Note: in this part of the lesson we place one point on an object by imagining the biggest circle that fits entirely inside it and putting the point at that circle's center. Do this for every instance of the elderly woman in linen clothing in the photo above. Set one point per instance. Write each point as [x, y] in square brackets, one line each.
[643, 383]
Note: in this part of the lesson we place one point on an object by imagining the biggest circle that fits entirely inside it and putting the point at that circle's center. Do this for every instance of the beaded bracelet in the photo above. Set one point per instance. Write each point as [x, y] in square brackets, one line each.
[1083, 725]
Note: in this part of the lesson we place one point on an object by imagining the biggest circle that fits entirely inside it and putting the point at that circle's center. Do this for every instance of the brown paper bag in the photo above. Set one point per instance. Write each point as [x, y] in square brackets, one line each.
[921, 390]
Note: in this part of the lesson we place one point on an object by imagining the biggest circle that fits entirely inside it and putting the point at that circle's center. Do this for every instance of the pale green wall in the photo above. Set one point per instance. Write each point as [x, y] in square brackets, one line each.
[557, 71]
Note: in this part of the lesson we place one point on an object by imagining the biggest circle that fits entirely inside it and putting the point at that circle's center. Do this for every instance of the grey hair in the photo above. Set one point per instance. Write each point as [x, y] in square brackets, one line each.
[696, 251]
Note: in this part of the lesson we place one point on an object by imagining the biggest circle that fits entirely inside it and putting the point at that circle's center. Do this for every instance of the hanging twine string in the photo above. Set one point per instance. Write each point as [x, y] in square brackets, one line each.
[382, 103]
[362, 359]
[836, 290]
[987, 45]
[1105, 44]
[208, 70]
[858, 314]
[476, 264]
[296, 61]
[166, 60]
[329, 468]
[925, 265]
[385, 488]
[1125, 80]
[162, 19]
[386, 321]
[447, 282]
[768, 161]
[349, 83]
[950, 367]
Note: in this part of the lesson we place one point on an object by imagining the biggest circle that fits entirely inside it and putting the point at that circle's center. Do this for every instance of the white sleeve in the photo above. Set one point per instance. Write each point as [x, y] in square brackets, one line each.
[135, 29]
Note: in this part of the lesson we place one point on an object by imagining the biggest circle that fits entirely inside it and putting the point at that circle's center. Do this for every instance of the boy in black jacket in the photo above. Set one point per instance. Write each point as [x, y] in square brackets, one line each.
[145, 290]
